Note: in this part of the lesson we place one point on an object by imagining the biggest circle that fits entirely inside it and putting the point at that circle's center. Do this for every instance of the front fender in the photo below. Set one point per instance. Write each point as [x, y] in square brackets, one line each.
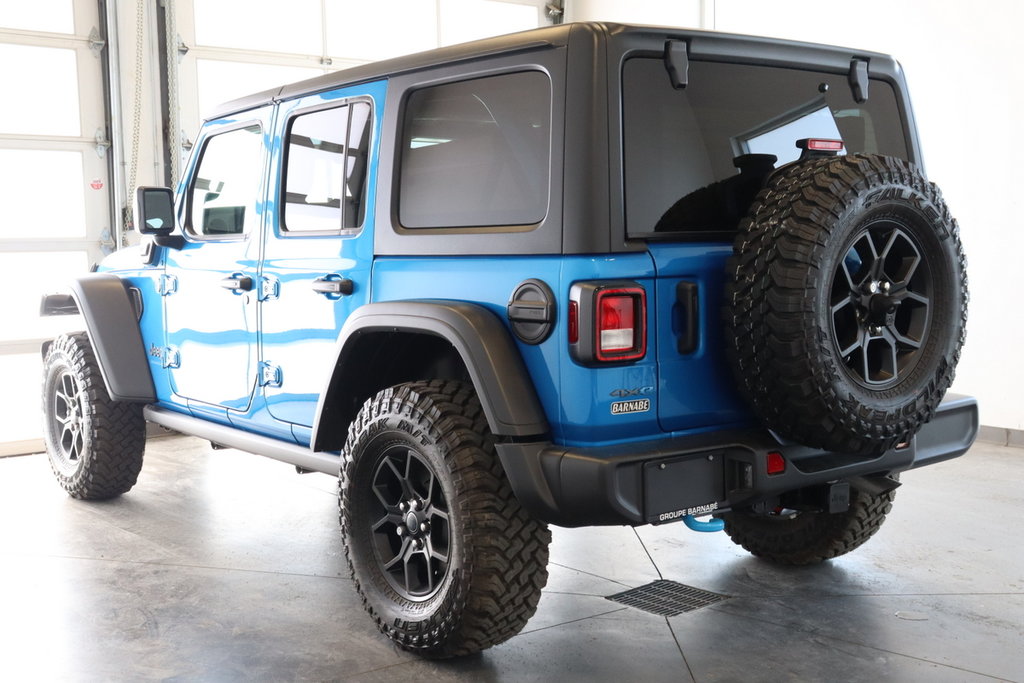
[110, 319]
[495, 367]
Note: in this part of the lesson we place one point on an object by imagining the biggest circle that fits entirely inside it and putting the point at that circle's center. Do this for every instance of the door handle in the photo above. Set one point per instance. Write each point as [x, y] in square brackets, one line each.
[237, 283]
[340, 287]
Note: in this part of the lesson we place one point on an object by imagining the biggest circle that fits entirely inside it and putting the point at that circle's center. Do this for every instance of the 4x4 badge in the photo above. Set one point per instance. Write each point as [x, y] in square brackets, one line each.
[626, 393]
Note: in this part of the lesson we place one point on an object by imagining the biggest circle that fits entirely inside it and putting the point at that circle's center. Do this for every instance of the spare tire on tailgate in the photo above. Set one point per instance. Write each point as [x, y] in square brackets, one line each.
[846, 302]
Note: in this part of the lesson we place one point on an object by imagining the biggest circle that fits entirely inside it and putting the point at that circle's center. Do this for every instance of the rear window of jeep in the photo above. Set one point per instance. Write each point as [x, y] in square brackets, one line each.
[696, 157]
[476, 153]
[325, 169]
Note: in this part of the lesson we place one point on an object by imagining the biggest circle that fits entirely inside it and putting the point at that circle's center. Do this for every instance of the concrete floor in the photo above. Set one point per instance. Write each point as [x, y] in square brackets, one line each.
[222, 566]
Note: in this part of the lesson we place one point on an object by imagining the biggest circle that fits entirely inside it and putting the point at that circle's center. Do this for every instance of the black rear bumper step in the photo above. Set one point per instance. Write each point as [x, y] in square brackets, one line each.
[663, 480]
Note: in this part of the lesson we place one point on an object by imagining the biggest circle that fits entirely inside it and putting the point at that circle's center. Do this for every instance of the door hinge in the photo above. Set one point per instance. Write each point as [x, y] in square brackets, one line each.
[168, 284]
[269, 374]
[170, 358]
[270, 288]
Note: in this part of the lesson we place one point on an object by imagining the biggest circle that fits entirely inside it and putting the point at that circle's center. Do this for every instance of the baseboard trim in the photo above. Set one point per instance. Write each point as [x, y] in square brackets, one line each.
[1002, 436]
[26, 447]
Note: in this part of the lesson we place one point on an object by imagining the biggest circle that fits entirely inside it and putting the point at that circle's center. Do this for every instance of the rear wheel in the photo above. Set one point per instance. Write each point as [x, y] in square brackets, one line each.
[445, 559]
[95, 444]
[802, 537]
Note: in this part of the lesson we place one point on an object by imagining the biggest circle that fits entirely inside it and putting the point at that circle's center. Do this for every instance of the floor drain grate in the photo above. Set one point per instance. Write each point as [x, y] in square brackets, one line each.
[667, 598]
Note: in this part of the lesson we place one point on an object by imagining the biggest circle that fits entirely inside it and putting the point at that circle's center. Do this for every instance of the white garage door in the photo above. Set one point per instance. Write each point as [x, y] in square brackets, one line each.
[238, 47]
[54, 183]
[53, 187]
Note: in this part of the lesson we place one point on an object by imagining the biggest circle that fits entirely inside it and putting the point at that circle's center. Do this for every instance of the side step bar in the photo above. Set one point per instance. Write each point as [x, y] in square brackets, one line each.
[291, 453]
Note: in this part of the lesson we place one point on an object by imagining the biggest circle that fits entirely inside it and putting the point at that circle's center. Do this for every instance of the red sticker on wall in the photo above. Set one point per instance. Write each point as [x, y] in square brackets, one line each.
[96, 184]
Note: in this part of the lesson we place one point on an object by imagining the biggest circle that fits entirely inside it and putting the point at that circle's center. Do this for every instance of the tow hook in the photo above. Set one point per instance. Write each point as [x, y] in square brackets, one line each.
[709, 526]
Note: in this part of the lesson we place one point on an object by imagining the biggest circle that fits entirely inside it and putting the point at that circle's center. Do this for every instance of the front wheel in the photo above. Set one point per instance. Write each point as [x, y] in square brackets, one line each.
[445, 559]
[95, 444]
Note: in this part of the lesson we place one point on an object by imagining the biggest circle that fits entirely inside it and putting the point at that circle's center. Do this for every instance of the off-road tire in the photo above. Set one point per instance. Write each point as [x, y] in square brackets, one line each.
[823, 355]
[803, 538]
[95, 445]
[433, 436]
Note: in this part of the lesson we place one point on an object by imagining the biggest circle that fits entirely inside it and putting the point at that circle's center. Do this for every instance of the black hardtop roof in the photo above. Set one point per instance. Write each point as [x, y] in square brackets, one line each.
[701, 43]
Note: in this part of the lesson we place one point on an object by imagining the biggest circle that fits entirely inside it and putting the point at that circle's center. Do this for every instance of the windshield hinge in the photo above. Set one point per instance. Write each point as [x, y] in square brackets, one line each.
[677, 63]
[859, 79]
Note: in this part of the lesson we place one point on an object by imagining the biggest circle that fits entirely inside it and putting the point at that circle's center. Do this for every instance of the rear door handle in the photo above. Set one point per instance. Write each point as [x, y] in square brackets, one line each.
[237, 282]
[337, 287]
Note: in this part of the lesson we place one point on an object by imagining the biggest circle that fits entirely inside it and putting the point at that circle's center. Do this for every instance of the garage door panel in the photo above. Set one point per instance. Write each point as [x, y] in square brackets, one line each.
[54, 187]
[52, 16]
[416, 32]
[244, 24]
[220, 81]
[43, 194]
[32, 274]
[43, 74]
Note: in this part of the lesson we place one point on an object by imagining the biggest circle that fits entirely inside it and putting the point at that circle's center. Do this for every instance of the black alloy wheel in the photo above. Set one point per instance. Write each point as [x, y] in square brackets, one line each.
[411, 534]
[881, 304]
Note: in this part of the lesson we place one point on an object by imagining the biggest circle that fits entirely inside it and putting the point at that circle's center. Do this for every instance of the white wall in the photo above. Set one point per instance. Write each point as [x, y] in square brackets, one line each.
[654, 12]
[963, 64]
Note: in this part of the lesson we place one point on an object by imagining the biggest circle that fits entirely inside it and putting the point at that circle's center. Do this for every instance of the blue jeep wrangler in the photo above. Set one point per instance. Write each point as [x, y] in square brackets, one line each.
[590, 274]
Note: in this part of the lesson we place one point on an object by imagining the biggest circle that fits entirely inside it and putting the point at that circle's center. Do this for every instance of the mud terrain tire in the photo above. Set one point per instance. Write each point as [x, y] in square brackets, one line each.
[803, 538]
[95, 445]
[846, 302]
[445, 559]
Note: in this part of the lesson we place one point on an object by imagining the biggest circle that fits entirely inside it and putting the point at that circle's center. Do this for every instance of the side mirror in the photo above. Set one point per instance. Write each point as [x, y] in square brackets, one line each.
[154, 210]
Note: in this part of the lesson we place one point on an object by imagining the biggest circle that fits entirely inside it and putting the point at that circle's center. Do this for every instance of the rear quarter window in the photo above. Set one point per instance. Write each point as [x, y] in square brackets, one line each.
[476, 153]
[325, 169]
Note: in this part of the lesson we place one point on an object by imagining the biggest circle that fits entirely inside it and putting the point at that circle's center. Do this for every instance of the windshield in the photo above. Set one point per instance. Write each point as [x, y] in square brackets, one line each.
[696, 157]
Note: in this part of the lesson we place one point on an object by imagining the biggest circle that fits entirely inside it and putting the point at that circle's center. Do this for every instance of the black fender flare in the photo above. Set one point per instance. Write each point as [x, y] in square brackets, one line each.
[113, 327]
[494, 364]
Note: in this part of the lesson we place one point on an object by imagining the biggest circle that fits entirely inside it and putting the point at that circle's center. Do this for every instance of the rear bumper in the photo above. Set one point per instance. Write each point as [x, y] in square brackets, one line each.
[660, 481]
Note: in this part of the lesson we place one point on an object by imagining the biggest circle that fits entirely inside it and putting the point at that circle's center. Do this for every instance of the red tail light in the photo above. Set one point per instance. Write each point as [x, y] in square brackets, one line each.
[607, 321]
[620, 332]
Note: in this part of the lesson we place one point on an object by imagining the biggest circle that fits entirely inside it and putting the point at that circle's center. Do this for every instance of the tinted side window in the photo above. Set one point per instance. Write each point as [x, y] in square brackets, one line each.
[325, 172]
[226, 184]
[476, 153]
